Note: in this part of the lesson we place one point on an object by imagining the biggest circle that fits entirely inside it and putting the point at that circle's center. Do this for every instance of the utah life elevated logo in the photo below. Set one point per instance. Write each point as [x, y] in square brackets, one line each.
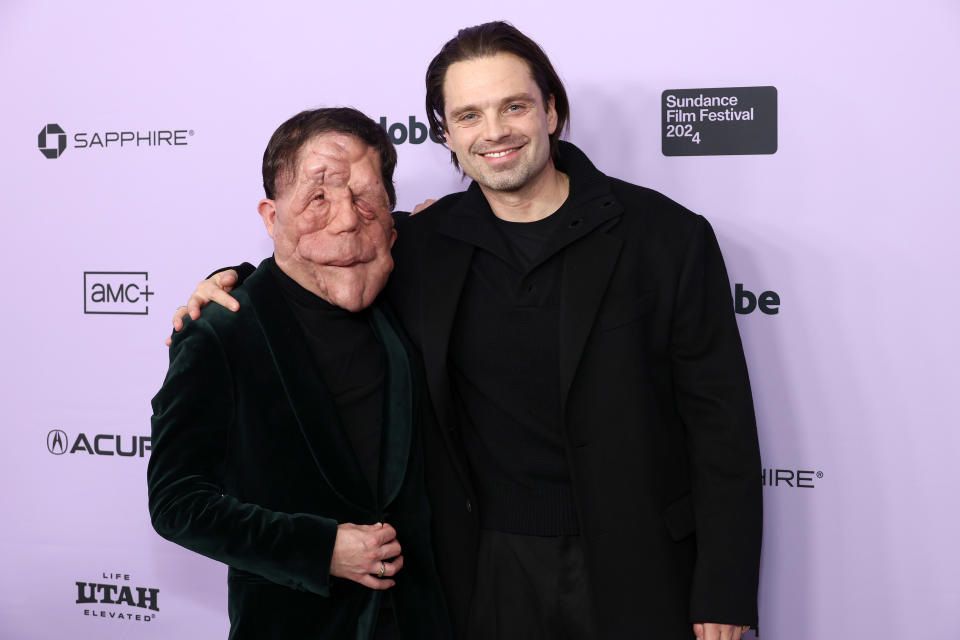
[116, 292]
[126, 602]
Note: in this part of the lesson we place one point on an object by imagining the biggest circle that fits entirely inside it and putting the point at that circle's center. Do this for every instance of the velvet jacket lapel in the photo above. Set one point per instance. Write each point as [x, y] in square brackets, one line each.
[397, 433]
[312, 404]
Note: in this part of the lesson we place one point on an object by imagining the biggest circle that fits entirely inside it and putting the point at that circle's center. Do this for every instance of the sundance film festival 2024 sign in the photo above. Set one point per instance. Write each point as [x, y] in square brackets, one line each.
[722, 121]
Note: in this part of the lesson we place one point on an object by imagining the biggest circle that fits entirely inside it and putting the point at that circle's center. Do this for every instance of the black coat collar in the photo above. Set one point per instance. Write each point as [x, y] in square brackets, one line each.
[589, 205]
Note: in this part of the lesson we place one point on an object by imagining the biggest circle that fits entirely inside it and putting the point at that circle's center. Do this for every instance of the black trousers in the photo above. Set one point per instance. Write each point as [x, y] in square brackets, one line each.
[531, 587]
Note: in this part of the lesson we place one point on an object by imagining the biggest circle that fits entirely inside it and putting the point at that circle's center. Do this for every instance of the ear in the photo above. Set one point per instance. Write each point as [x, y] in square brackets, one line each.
[551, 115]
[393, 238]
[268, 211]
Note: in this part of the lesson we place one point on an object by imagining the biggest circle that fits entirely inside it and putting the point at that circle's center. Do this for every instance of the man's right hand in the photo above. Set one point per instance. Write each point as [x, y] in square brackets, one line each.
[361, 553]
[423, 205]
[213, 289]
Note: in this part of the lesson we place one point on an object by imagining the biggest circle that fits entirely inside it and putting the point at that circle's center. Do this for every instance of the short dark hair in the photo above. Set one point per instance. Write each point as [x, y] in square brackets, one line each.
[487, 40]
[280, 156]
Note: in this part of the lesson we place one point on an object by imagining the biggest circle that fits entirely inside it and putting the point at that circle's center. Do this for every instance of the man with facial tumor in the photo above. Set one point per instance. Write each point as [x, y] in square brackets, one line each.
[594, 467]
[286, 437]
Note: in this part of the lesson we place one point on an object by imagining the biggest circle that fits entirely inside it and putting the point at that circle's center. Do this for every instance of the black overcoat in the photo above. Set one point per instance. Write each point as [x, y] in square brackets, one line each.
[251, 466]
[657, 411]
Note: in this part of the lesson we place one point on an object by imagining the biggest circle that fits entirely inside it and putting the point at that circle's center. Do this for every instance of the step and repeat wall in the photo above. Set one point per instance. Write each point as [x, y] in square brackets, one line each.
[815, 136]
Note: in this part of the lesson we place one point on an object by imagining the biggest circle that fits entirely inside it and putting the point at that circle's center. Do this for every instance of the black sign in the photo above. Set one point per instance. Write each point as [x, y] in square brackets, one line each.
[719, 122]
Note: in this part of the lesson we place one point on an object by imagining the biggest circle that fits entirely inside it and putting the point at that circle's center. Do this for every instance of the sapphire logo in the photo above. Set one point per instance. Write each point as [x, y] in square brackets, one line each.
[57, 442]
[52, 141]
[116, 292]
[793, 478]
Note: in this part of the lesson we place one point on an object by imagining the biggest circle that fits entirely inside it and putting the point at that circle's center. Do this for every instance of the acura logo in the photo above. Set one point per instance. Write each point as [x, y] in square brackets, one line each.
[57, 442]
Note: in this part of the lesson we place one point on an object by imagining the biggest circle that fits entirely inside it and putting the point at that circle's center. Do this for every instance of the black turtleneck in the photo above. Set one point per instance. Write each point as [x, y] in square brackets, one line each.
[351, 363]
[505, 371]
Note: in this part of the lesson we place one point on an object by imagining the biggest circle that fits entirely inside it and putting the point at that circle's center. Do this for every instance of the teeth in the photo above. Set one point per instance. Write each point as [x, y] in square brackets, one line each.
[497, 154]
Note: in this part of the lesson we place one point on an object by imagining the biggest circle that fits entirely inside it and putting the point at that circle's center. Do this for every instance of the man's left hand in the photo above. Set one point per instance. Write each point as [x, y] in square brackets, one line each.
[714, 631]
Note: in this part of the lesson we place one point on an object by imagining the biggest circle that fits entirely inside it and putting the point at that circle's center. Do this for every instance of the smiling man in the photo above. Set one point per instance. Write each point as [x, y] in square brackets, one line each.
[285, 436]
[594, 470]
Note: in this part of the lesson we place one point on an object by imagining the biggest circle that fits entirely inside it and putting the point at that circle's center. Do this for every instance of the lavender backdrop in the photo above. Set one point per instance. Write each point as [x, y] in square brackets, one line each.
[851, 222]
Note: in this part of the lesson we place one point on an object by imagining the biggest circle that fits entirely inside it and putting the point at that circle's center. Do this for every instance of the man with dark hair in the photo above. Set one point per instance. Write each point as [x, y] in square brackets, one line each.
[285, 436]
[594, 469]
[586, 370]
[485, 41]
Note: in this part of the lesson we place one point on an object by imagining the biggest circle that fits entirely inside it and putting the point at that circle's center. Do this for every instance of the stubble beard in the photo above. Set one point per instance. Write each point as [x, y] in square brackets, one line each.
[507, 180]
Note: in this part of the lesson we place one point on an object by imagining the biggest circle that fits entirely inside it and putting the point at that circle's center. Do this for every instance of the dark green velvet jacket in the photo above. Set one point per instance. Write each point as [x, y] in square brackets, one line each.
[250, 466]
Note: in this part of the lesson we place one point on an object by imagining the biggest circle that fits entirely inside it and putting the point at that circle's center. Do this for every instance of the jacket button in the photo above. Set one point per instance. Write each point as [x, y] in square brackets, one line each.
[469, 507]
